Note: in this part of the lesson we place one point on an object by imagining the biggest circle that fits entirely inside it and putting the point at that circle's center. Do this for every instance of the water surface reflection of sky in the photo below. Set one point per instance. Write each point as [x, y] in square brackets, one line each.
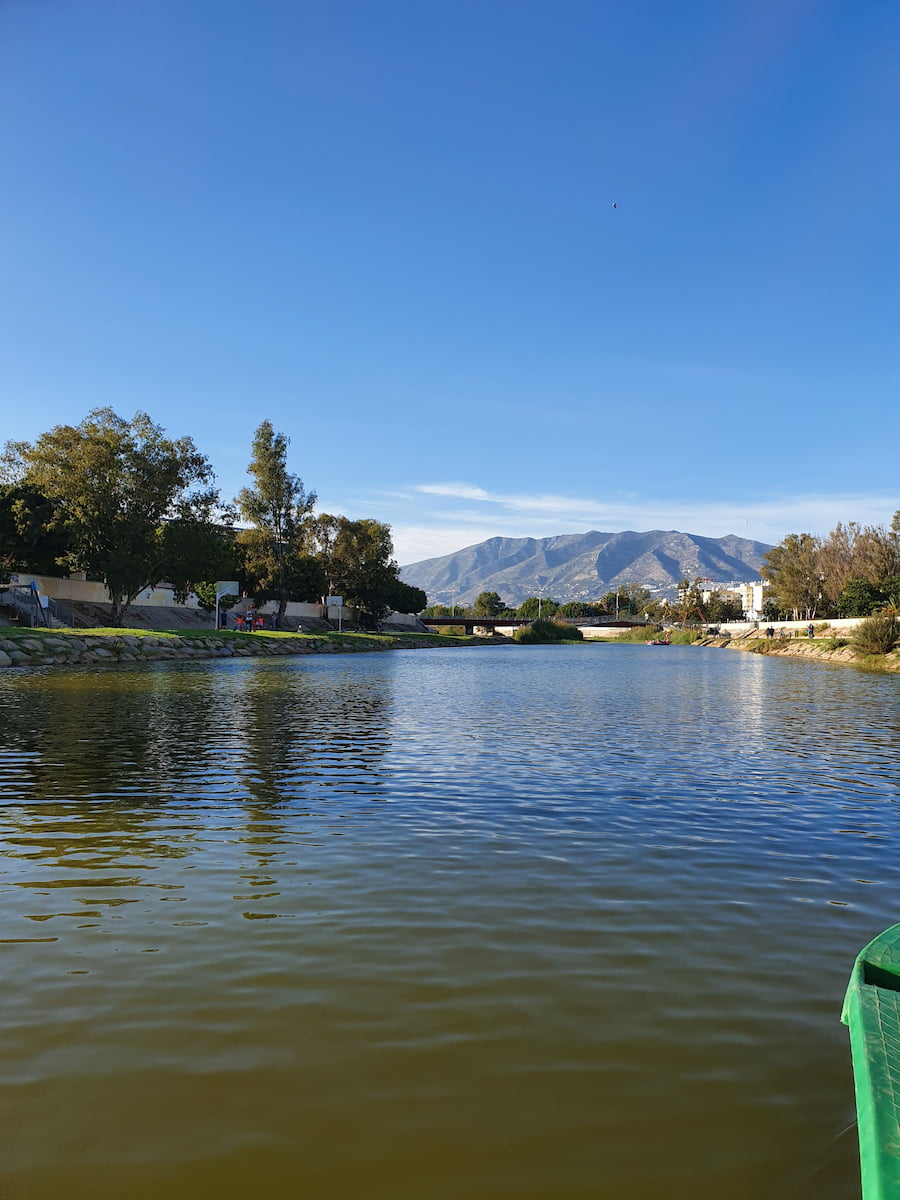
[568, 922]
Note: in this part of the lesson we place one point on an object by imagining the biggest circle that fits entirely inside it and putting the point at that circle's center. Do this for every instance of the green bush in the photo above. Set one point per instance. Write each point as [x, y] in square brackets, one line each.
[652, 633]
[682, 637]
[547, 631]
[877, 634]
[860, 598]
[641, 633]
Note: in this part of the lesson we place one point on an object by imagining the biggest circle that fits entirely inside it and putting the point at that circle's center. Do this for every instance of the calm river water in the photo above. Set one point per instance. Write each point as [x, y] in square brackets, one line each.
[518, 922]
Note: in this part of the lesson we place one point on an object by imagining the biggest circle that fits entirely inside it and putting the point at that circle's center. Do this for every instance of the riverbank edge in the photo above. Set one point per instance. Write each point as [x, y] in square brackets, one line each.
[51, 648]
[797, 648]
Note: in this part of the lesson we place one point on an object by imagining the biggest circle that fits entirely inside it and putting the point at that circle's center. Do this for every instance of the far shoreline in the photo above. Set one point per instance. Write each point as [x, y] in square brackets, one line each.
[92, 647]
[41, 647]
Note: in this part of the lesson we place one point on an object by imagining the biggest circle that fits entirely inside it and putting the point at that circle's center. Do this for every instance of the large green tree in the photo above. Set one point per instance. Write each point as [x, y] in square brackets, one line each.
[578, 608]
[30, 539]
[404, 598]
[437, 610]
[134, 506]
[488, 604]
[793, 569]
[869, 553]
[860, 598]
[629, 598]
[357, 563]
[533, 607]
[320, 539]
[366, 568]
[267, 577]
[720, 607]
[277, 505]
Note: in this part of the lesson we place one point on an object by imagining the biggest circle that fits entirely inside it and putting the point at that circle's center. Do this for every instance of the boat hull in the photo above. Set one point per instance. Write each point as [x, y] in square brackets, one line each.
[872, 1012]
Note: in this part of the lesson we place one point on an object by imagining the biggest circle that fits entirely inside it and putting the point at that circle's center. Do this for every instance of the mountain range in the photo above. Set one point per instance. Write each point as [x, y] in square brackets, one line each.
[582, 566]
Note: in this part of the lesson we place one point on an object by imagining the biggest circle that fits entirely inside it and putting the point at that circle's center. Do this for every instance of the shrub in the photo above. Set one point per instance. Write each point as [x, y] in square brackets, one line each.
[640, 633]
[860, 598]
[547, 631]
[650, 633]
[877, 634]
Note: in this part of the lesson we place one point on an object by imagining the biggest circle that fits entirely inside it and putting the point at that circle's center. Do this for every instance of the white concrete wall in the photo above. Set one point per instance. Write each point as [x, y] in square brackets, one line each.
[75, 588]
[842, 624]
[410, 620]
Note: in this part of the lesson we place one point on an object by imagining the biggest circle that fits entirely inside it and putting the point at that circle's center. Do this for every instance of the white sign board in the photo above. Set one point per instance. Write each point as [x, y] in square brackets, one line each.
[337, 601]
[225, 587]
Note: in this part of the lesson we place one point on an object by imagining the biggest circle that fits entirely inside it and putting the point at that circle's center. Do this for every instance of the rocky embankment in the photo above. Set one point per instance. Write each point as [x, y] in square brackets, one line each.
[824, 650]
[48, 648]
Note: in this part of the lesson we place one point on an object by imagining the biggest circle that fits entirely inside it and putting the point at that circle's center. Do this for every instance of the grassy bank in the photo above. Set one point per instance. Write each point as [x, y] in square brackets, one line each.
[43, 647]
[826, 647]
[649, 633]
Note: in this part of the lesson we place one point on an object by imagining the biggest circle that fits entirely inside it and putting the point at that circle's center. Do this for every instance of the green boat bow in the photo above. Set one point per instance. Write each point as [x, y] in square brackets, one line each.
[872, 1011]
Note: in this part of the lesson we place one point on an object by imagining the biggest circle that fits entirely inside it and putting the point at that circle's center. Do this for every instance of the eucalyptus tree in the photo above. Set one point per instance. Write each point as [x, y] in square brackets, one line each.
[278, 505]
[357, 562]
[132, 506]
[794, 571]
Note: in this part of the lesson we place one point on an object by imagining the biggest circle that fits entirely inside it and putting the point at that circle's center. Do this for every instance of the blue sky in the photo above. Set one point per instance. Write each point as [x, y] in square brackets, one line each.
[387, 226]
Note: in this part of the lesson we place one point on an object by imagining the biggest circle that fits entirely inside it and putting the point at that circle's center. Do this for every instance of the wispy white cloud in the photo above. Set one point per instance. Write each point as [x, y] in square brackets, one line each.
[412, 543]
[442, 528]
[460, 491]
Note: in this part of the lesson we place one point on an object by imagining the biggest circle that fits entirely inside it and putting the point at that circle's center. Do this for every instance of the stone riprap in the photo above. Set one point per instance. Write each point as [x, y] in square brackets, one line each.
[51, 648]
[819, 649]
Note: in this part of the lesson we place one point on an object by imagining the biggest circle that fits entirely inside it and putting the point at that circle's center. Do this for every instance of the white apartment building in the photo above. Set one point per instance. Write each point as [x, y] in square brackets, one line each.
[753, 598]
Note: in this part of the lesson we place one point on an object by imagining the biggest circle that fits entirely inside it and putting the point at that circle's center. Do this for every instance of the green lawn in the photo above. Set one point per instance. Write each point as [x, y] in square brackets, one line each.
[228, 635]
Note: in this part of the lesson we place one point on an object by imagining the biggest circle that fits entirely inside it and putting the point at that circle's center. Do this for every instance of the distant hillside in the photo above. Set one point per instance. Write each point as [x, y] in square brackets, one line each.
[582, 566]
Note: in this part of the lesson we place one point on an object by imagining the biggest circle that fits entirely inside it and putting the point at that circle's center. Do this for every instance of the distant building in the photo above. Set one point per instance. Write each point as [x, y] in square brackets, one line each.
[753, 598]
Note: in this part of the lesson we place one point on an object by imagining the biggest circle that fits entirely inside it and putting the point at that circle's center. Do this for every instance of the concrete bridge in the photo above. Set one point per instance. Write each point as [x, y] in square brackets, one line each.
[469, 623]
[494, 623]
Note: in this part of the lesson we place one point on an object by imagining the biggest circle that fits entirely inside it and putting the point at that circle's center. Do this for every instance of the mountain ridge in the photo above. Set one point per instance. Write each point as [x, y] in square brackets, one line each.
[582, 566]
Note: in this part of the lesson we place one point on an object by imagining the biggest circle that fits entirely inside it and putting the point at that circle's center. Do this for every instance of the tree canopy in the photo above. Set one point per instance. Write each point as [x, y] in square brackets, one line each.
[30, 538]
[127, 504]
[133, 506]
[533, 607]
[403, 597]
[358, 564]
[852, 571]
[793, 571]
[488, 604]
[277, 505]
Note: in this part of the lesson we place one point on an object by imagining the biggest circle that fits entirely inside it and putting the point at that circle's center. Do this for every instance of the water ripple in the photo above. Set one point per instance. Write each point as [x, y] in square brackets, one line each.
[568, 922]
